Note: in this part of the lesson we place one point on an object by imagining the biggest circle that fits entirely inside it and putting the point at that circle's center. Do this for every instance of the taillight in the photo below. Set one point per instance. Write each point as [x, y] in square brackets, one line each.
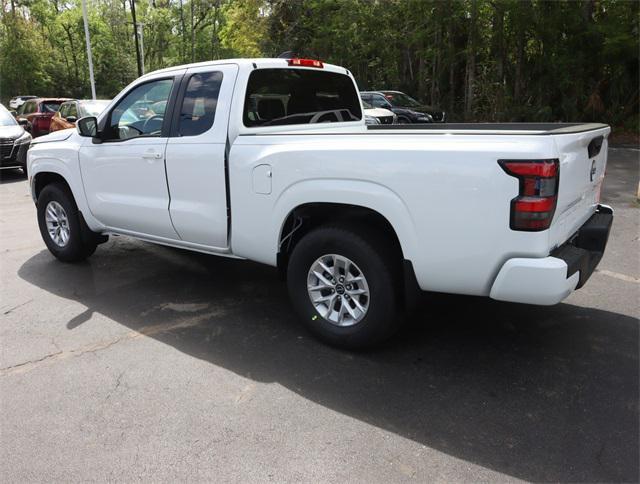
[532, 210]
[305, 63]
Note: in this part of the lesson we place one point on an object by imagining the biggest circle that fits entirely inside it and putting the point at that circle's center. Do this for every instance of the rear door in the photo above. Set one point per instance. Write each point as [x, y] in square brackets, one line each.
[195, 157]
[583, 160]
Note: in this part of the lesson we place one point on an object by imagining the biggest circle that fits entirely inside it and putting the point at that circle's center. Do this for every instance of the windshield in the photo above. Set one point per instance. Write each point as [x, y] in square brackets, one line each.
[366, 105]
[400, 99]
[93, 108]
[6, 119]
[51, 106]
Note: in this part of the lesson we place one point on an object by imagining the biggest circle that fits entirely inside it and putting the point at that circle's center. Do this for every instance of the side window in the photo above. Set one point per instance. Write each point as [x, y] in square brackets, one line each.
[72, 110]
[199, 103]
[141, 111]
[29, 107]
[63, 110]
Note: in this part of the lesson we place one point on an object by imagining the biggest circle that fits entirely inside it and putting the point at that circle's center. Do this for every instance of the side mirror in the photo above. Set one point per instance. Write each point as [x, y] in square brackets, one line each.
[71, 119]
[87, 127]
[25, 124]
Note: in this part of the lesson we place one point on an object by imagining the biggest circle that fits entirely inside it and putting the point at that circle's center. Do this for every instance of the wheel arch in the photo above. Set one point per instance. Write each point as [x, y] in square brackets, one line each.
[45, 171]
[44, 178]
[371, 204]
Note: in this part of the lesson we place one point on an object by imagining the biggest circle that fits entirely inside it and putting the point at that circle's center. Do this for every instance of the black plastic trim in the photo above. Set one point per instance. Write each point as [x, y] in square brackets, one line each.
[437, 128]
[585, 249]
[595, 146]
[546, 128]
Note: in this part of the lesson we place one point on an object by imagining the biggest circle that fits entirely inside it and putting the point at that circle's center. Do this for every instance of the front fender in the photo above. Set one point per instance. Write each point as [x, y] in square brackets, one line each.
[62, 161]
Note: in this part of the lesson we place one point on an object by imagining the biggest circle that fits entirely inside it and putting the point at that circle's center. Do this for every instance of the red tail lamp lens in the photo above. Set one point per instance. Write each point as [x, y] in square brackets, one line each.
[532, 210]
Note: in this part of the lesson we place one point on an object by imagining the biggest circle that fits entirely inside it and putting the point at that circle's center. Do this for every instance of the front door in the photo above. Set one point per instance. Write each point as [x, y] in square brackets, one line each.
[124, 175]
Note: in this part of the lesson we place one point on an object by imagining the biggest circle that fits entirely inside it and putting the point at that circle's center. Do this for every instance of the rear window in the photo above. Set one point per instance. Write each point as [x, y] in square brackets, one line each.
[50, 106]
[278, 97]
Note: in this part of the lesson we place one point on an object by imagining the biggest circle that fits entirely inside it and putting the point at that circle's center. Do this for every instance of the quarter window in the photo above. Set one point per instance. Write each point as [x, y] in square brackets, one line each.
[198, 109]
[141, 112]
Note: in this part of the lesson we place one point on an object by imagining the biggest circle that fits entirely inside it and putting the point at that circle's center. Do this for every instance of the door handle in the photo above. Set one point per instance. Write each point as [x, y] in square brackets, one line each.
[152, 155]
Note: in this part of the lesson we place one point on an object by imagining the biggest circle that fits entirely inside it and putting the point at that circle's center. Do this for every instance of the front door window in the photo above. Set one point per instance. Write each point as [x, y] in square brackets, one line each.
[141, 112]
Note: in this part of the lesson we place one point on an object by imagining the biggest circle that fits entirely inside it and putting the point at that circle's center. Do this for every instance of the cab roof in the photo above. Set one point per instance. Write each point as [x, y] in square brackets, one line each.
[256, 63]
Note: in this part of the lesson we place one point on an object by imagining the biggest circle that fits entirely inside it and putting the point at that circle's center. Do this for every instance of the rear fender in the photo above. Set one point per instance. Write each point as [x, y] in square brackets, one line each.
[349, 192]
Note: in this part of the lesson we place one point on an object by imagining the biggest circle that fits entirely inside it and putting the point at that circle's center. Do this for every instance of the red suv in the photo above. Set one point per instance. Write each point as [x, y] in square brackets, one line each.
[35, 115]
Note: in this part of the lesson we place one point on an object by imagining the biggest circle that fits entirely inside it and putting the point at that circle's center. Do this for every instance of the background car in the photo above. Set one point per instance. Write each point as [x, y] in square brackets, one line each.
[35, 115]
[378, 115]
[71, 111]
[14, 142]
[402, 100]
[18, 101]
[405, 115]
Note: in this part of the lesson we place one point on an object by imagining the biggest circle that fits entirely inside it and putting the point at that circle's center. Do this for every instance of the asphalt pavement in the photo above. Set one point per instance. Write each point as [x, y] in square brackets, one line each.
[155, 364]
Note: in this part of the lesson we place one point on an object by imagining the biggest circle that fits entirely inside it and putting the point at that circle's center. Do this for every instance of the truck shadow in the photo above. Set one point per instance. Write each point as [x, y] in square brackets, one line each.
[542, 394]
[11, 175]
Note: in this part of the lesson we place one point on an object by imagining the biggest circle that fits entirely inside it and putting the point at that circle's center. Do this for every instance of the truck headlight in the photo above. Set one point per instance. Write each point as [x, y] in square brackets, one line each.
[371, 120]
[24, 138]
[424, 118]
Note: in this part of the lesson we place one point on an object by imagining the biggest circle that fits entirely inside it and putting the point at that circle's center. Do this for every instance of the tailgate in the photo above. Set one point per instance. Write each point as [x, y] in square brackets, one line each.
[583, 159]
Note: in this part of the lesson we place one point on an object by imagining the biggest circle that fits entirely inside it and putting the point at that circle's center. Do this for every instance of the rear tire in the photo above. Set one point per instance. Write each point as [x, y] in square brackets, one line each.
[61, 225]
[375, 287]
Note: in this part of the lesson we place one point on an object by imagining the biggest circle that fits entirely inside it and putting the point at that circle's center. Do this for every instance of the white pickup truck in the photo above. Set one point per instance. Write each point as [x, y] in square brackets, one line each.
[270, 160]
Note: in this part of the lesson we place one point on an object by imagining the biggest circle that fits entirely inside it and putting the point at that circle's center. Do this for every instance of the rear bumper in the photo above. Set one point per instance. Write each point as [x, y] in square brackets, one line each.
[549, 280]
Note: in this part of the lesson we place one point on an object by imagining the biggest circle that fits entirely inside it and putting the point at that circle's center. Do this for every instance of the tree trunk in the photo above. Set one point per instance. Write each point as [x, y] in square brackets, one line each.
[451, 55]
[523, 19]
[435, 88]
[75, 56]
[498, 55]
[471, 62]
[183, 28]
[193, 33]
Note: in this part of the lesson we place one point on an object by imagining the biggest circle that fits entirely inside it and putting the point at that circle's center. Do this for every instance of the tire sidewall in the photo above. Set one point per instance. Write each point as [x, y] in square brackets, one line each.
[379, 322]
[74, 249]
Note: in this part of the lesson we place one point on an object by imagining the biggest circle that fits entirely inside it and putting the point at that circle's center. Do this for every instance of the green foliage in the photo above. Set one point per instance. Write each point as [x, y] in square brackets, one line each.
[484, 60]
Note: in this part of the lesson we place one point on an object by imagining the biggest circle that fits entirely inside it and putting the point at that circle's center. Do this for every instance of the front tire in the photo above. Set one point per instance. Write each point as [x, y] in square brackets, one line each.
[344, 287]
[61, 226]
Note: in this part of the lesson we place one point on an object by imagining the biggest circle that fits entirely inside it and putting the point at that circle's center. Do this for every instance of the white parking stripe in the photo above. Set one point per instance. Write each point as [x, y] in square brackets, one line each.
[617, 275]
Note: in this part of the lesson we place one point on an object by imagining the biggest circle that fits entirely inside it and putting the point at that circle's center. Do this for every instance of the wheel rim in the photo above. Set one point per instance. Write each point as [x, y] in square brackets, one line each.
[338, 290]
[57, 223]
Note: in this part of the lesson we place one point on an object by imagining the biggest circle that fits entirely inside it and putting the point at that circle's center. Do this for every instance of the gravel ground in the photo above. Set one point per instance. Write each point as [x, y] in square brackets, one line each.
[149, 363]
